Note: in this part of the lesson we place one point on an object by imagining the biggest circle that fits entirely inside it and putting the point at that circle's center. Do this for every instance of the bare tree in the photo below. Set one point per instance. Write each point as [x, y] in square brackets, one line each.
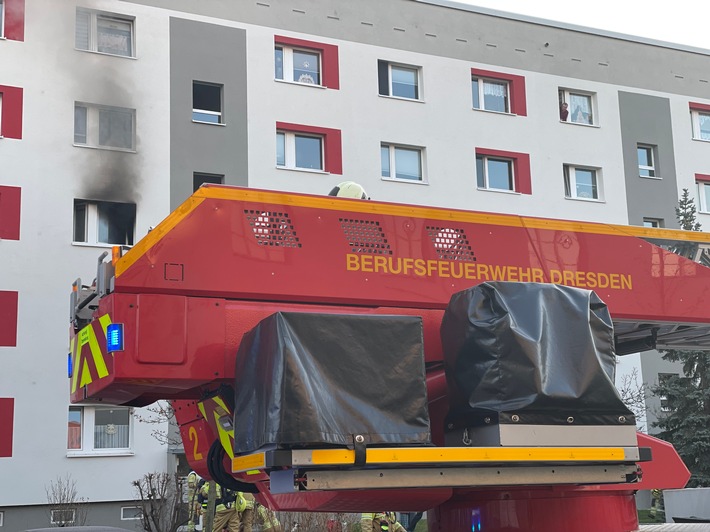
[160, 500]
[633, 394]
[307, 521]
[65, 506]
[158, 414]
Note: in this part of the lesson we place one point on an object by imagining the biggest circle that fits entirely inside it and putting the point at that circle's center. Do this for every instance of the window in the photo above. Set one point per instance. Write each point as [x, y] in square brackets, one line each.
[306, 62]
[207, 102]
[104, 127]
[581, 183]
[401, 162]
[580, 107]
[646, 159]
[653, 222]
[63, 517]
[308, 148]
[2, 518]
[497, 91]
[104, 222]
[11, 112]
[10, 212]
[700, 117]
[99, 429]
[106, 33]
[400, 81]
[702, 181]
[198, 179]
[503, 170]
[131, 513]
[2, 24]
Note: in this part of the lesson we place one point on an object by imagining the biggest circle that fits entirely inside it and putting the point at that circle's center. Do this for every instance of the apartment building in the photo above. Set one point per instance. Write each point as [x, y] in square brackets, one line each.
[113, 111]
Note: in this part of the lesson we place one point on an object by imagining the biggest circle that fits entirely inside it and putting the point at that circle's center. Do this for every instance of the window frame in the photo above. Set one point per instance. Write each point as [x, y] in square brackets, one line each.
[385, 83]
[219, 114]
[653, 223]
[392, 157]
[331, 147]
[123, 508]
[88, 428]
[91, 222]
[564, 95]
[570, 182]
[696, 110]
[2, 36]
[215, 179]
[651, 150]
[517, 102]
[52, 520]
[702, 181]
[94, 17]
[520, 168]
[328, 61]
[92, 126]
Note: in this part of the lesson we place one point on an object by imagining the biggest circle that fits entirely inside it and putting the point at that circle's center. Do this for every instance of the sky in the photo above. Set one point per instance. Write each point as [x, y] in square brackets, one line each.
[679, 21]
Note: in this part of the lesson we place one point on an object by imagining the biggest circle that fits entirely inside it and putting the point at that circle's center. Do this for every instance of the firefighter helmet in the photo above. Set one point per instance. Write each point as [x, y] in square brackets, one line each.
[349, 189]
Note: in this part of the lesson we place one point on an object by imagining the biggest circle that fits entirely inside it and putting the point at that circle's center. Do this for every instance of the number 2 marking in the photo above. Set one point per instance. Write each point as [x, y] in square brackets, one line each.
[193, 432]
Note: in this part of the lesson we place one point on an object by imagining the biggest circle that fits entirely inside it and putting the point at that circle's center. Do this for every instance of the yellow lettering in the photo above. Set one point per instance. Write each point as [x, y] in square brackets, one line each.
[580, 279]
[366, 263]
[420, 267]
[351, 262]
[538, 275]
[555, 276]
[513, 273]
[444, 269]
[591, 280]
[408, 264]
[498, 273]
[626, 282]
[431, 265]
[459, 274]
[614, 281]
[568, 277]
[399, 266]
[380, 264]
[470, 270]
[603, 280]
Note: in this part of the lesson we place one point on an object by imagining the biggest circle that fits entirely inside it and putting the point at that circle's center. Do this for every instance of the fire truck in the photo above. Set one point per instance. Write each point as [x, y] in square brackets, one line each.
[195, 313]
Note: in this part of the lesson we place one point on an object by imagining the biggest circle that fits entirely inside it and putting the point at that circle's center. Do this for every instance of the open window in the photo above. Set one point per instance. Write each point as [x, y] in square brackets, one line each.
[207, 102]
[104, 222]
[106, 33]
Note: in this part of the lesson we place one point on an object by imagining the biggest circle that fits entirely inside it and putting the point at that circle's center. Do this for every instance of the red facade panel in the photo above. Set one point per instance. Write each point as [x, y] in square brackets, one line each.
[521, 167]
[8, 318]
[9, 213]
[11, 118]
[518, 102]
[7, 422]
[329, 58]
[15, 20]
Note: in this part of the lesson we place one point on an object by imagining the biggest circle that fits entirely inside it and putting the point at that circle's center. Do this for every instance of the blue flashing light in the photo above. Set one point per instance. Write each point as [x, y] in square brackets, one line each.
[69, 365]
[114, 337]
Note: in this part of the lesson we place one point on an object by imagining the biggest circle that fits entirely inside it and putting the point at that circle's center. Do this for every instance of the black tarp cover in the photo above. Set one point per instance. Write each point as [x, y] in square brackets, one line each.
[543, 352]
[308, 379]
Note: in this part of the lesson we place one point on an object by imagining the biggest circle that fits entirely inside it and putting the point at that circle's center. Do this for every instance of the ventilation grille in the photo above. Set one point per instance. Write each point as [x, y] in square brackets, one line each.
[451, 244]
[272, 229]
[365, 236]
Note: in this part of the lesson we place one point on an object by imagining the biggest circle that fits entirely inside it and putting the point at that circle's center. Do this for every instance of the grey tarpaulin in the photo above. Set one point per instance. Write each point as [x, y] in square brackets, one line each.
[311, 379]
[540, 351]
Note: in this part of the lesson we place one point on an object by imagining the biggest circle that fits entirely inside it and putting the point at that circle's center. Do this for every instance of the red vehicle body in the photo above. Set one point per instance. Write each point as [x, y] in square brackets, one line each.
[229, 257]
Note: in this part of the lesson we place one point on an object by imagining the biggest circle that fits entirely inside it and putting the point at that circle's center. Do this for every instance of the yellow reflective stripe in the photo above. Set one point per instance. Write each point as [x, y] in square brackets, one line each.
[85, 373]
[105, 321]
[201, 408]
[224, 436]
[248, 462]
[97, 355]
[74, 363]
[253, 472]
[469, 454]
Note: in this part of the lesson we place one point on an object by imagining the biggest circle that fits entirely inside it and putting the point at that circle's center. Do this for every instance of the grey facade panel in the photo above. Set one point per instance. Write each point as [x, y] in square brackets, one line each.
[647, 120]
[217, 55]
[21, 518]
[473, 36]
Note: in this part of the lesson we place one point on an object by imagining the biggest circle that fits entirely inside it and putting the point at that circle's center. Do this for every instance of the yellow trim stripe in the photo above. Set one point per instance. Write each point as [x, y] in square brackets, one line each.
[470, 454]
[248, 462]
[105, 321]
[222, 192]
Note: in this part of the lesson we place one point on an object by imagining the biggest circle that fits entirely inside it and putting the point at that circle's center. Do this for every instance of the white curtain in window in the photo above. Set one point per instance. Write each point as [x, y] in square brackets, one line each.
[581, 108]
[494, 89]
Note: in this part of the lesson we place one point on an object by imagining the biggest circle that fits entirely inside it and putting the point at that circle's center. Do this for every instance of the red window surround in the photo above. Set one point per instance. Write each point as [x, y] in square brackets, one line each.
[9, 213]
[8, 319]
[516, 84]
[329, 58]
[704, 107]
[11, 119]
[332, 144]
[15, 20]
[521, 167]
[7, 414]
[702, 178]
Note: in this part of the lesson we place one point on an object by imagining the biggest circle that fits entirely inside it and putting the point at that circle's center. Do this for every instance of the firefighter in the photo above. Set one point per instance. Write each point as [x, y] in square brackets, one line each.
[228, 507]
[380, 522]
[247, 515]
[267, 519]
[349, 189]
[193, 506]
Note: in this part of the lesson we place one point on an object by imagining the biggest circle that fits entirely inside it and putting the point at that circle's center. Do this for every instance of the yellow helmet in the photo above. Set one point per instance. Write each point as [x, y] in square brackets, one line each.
[240, 502]
[349, 189]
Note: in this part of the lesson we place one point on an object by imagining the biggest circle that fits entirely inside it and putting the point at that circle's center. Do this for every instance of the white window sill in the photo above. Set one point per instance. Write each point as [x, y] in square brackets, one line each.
[100, 453]
[701, 140]
[499, 190]
[411, 181]
[569, 122]
[106, 54]
[657, 178]
[504, 113]
[208, 123]
[703, 212]
[306, 170]
[289, 82]
[400, 98]
[588, 200]
[96, 245]
[107, 148]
